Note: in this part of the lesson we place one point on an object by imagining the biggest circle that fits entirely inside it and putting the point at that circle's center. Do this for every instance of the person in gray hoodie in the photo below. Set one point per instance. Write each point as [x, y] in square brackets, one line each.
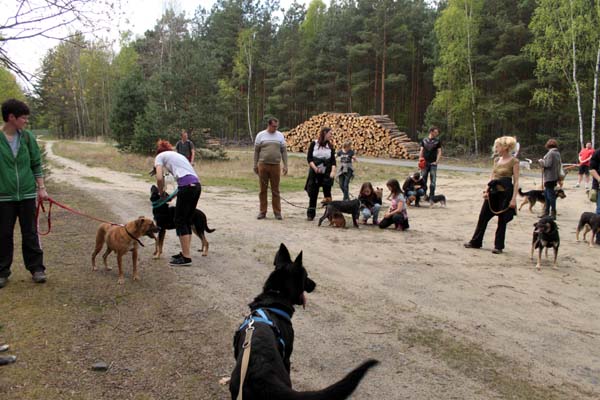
[552, 165]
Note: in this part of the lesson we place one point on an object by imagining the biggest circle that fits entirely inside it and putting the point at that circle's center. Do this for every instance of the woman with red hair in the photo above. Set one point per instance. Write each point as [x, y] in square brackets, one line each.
[188, 193]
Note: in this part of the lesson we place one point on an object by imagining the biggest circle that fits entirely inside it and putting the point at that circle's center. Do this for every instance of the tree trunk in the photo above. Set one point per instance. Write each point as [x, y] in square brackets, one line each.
[469, 15]
[575, 81]
[249, 59]
[595, 99]
[383, 65]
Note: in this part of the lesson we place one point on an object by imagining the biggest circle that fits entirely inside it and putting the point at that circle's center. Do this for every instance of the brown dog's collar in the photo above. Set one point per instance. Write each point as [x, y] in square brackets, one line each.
[133, 237]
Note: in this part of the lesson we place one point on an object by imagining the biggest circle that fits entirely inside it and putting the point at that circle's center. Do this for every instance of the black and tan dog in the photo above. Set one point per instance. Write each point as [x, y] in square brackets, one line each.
[265, 370]
[545, 236]
[351, 207]
[533, 196]
[438, 198]
[164, 216]
[590, 222]
[122, 239]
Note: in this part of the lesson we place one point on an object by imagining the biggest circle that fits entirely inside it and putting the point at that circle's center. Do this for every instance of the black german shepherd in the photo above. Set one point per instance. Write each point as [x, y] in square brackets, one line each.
[351, 207]
[545, 235]
[268, 371]
[164, 216]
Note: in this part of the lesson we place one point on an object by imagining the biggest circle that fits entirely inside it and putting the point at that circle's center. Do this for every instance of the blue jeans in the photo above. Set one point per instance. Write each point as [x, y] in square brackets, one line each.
[430, 170]
[418, 194]
[344, 183]
[366, 213]
[550, 196]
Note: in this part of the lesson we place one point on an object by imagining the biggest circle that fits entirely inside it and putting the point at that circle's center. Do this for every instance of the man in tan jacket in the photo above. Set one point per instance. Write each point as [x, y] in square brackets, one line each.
[269, 151]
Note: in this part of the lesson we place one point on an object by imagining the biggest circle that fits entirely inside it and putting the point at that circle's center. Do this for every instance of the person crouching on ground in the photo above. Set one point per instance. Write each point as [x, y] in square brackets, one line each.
[499, 196]
[188, 193]
[370, 203]
[414, 187]
[397, 213]
[21, 183]
[321, 160]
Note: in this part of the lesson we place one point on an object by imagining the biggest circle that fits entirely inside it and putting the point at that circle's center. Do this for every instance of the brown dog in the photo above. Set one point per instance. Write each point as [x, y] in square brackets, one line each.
[122, 239]
[337, 220]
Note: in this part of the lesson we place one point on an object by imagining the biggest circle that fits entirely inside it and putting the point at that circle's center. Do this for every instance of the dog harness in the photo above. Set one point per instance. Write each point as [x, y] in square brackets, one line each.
[260, 316]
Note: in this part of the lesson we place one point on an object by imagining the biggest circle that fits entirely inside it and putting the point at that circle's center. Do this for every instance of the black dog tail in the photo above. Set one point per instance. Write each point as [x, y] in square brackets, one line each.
[521, 192]
[339, 390]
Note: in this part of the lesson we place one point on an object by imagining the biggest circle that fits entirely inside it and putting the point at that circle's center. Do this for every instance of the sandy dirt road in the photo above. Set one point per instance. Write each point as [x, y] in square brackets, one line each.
[445, 322]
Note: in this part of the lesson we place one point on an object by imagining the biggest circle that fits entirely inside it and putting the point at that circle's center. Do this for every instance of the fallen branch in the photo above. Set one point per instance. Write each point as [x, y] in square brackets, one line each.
[554, 303]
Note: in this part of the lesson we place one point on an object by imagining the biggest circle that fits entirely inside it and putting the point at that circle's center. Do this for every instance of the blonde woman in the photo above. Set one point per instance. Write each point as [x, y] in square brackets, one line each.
[500, 195]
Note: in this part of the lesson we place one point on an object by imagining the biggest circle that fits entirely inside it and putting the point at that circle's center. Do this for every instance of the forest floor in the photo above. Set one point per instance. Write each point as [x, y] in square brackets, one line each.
[445, 322]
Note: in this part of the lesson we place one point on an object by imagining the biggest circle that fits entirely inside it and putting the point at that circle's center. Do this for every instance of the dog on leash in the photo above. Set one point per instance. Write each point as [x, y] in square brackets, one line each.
[262, 369]
[122, 239]
[545, 235]
[590, 222]
[164, 215]
[438, 198]
[351, 207]
[533, 196]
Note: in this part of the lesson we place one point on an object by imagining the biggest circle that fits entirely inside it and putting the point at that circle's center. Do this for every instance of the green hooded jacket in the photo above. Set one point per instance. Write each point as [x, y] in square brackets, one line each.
[17, 174]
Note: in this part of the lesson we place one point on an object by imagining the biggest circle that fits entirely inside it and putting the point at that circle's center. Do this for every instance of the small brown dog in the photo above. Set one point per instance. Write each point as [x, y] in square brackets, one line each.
[122, 239]
[337, 220]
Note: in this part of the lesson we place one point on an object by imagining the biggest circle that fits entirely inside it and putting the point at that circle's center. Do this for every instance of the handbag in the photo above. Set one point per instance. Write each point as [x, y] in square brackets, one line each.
[422, 164]
[593, 195]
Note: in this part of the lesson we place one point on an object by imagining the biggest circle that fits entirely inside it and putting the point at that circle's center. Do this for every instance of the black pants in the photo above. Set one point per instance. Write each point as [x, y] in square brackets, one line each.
[312, 188]
[33, 256]
[187, 200]
[396, 219]
[484, 217]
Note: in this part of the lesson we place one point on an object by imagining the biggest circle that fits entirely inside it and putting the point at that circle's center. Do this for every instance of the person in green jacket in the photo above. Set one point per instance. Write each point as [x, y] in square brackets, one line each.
[21, 183]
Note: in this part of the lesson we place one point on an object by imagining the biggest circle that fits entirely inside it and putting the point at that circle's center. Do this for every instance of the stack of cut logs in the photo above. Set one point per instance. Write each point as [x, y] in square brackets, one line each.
[371, 135]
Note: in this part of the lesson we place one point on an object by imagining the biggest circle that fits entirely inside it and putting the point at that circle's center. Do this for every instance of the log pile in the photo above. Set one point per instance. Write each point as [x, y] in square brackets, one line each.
[371, 135]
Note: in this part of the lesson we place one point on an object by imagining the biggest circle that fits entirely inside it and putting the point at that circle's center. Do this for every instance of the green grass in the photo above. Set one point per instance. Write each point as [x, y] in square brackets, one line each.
[497, 372]
[235, 173]
[95, 179]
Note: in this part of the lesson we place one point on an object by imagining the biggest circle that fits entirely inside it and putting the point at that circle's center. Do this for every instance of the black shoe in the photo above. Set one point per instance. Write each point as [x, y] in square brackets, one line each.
[278, 216]
[3, 282]
[181, 261]
[261, 216]
[497, 251]
[178, 255]
[39, 277]
[470, 245]
[310, 218]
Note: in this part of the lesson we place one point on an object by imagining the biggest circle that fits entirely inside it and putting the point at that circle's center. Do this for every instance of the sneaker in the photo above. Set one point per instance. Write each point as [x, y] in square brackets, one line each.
[178, 255]
[181, 261]
[470, 245]
[3, 282]
[39, 277]
[261, 216]
[576, 185]
[278, 216]
[497, 251]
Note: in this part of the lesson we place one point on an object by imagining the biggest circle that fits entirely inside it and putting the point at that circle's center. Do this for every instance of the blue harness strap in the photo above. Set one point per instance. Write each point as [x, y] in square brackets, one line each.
[260, 316]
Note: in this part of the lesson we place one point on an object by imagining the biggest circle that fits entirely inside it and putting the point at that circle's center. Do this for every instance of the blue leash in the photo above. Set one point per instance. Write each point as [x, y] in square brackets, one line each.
[158, 203]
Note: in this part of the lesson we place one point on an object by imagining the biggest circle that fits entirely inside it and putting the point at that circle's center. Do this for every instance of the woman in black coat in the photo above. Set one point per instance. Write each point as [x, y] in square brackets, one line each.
[321, 160]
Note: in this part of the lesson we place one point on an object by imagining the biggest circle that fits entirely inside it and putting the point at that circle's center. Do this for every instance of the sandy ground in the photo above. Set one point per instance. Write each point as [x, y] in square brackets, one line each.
[415, 300]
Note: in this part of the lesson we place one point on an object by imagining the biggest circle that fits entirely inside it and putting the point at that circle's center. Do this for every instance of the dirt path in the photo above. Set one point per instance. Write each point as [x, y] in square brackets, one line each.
[445, 322]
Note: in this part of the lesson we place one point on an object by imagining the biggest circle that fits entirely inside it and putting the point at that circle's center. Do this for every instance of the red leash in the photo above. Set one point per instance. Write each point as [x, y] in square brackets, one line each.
[52, 201]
